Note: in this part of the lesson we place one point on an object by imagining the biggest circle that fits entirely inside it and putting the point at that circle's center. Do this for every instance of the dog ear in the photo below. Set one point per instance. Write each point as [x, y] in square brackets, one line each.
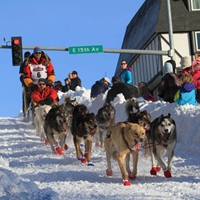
[169, 115]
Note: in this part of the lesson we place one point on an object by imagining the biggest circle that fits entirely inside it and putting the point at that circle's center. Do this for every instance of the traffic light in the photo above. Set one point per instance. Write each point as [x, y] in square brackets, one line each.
[17, 58]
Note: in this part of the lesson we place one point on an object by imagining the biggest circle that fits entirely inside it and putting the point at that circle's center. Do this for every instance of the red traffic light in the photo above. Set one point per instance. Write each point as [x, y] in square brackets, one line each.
[16, 41]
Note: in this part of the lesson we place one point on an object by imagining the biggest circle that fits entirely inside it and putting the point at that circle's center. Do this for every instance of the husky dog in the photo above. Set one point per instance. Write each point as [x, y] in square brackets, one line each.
[162, 139]
[56, 123]
[40, 113]
[123, 139]
[105, 117]
[84, 126]
[142, 118]
[70, 104]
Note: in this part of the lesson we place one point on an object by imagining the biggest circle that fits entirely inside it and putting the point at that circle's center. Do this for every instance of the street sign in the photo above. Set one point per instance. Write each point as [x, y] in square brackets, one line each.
[86, 49]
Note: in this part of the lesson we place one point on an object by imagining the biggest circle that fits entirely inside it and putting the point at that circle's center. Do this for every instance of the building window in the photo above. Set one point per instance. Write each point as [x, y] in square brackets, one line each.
[196, 41]
[195, 5]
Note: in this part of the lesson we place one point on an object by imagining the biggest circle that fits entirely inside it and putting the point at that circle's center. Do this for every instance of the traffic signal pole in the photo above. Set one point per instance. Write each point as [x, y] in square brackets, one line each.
[105, 50]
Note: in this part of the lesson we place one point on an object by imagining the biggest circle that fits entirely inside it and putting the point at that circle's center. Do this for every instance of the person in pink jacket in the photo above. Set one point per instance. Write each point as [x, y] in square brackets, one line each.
[43, 94]
[196, 77]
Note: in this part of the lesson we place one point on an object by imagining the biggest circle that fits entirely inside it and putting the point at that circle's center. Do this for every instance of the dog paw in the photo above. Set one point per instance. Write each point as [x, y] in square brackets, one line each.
[153, 171]
[127, 183]
[131, 177]
[109, 172]
[90, 164]
[167, 174]
[59, 150]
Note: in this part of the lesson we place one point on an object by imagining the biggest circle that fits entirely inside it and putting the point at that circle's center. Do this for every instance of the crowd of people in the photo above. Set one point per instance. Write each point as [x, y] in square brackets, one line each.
[39, 86]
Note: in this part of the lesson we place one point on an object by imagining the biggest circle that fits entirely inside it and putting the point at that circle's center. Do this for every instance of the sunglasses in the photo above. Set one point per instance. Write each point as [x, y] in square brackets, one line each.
[42, 84]
[38, 53]
[123, 63]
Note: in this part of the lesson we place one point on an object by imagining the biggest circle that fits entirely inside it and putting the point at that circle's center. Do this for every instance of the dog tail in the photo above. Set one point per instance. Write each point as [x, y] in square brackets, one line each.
[130, 105]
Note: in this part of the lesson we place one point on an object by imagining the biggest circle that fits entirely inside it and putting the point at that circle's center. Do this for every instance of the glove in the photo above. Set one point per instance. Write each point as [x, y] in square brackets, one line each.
[31, 87]
[49, 82]
[42, 102]
[48, 101]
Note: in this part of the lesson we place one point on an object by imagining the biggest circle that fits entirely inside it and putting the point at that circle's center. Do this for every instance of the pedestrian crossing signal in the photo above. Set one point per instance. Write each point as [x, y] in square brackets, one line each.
[17, 58]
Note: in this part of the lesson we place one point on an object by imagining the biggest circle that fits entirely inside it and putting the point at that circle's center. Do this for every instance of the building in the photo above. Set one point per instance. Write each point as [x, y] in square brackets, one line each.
[148, 30]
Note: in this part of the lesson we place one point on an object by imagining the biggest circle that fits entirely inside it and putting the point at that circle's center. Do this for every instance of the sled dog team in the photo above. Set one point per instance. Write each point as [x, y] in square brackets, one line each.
[122, 139]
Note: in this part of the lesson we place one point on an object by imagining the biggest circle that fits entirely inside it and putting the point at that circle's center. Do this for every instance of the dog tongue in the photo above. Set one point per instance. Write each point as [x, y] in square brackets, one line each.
[137, 146]
[64, 125]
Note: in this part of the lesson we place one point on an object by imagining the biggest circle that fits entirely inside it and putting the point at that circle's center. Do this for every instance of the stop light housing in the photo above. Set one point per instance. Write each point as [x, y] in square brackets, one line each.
[17, 58]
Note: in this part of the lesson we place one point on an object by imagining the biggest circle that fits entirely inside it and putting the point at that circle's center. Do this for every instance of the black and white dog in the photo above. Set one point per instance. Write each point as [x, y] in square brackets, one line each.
[162, 139]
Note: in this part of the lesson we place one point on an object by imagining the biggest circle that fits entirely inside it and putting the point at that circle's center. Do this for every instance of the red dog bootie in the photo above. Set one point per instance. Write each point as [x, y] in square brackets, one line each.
[126, 183]
[167, 174]
[131, 177]
[158, 169]
[109, 172]
[82, 159]
[66, 147]
[153, 171]
[59, 150]
[46, 142]
[86, 155]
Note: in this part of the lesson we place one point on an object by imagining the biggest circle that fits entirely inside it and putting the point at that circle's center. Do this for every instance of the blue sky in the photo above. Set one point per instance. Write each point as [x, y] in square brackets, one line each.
[62, 23]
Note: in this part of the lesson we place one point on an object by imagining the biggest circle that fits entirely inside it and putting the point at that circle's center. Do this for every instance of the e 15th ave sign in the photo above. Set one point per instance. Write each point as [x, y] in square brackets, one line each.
[85, 49]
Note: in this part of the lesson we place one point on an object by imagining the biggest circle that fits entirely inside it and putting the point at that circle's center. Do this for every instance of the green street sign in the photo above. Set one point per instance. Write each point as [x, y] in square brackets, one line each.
[86, 49]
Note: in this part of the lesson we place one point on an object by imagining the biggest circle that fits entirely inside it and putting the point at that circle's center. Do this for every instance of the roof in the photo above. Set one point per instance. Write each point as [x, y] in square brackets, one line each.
[151, 19]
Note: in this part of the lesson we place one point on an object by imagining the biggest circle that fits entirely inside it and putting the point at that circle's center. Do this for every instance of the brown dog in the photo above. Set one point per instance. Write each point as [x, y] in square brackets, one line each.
[123, 139]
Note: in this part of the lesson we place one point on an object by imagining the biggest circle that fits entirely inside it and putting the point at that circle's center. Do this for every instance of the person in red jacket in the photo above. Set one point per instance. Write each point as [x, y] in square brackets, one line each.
[42, 94]
[38, 66]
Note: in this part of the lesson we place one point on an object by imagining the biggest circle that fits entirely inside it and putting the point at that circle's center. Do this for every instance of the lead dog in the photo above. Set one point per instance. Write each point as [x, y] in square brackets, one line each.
[123, 139]
[105, 117]
[56, 124]
[162, 139]
[40, 113]
[84, 126]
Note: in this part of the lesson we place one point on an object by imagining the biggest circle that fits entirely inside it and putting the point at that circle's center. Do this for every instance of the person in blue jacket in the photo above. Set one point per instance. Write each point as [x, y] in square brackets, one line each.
[100, 87]
[187, 92]
[126, 75]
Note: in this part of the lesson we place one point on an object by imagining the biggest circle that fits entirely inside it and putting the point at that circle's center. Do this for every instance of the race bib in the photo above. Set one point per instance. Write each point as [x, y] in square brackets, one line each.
[37, 72]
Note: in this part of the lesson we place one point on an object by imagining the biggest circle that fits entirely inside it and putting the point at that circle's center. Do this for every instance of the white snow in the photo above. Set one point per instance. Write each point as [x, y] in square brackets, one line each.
[28, 170]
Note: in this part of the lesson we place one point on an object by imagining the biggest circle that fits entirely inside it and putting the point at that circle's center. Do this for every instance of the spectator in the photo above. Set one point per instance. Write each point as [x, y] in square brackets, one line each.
[169, 83]
[75, 81]
[196, 77]
[187, 93]
[129, 91]
[43, 94]
[38, 66]
[58, 86]
[186, 65]
[143, 91]
[100, 87]
[26, 98]
[67, 85]
[126, 75]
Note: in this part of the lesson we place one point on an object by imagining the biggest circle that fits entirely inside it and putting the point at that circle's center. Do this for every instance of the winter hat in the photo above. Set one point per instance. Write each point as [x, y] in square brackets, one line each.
[42, 80]
[196, 65]
[116, 79]
[167, 68]
[107, 79]
[74, 72]
[37, 49]
[185, 62]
